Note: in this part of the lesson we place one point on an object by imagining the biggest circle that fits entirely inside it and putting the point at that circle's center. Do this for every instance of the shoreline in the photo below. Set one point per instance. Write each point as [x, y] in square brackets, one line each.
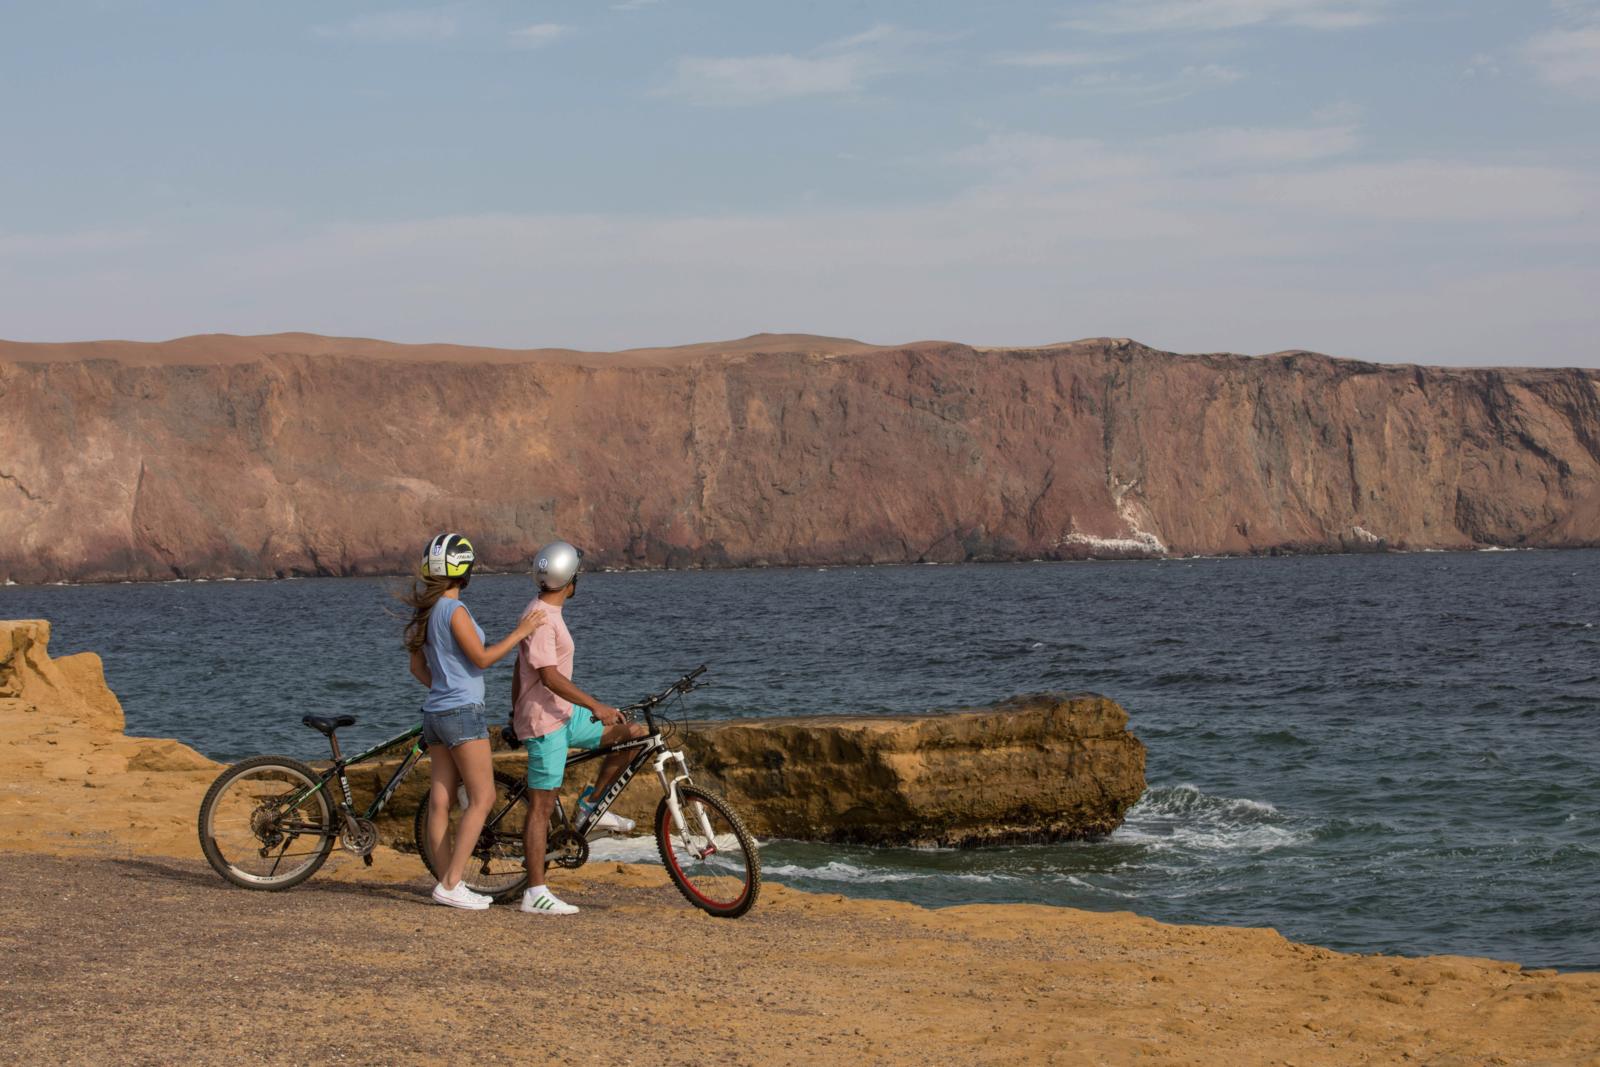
[756, 568]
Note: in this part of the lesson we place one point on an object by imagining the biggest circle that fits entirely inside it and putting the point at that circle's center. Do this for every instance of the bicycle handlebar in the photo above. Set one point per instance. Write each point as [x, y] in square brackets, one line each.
[682, 685]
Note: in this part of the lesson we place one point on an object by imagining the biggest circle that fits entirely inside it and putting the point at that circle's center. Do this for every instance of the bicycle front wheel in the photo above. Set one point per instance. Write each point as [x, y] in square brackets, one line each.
[714, 862]
[496, 867]
[259, 826]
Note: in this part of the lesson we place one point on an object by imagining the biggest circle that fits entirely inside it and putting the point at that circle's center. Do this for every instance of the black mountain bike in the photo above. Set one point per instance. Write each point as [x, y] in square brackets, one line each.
[269, 822]
[708, 853]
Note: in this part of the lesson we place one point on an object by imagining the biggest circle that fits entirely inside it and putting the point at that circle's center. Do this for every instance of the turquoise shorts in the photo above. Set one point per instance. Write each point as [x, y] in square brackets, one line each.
[547, 755]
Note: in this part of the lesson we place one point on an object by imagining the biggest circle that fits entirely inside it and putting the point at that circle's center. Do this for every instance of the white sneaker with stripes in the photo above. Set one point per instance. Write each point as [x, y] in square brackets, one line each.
[538, 900]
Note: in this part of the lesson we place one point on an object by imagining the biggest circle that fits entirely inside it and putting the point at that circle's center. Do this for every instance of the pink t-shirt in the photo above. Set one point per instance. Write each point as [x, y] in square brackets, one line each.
[538, 710]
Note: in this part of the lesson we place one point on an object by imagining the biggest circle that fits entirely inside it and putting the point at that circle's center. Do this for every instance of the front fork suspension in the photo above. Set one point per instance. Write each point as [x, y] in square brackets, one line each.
[669, 787]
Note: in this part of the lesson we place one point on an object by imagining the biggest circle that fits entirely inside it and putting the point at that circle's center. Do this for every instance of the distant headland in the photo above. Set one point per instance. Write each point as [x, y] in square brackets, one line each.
[295, 454]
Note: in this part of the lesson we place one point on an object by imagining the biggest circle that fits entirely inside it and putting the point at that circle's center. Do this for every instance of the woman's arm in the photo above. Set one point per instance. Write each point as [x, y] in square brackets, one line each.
[471, 647]
[419, 668]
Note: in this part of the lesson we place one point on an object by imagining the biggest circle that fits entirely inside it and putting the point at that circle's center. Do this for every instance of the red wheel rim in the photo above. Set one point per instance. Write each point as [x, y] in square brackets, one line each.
[664, 830]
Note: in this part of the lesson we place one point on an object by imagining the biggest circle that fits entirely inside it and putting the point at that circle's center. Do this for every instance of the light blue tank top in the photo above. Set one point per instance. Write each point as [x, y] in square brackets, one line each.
[455, 680]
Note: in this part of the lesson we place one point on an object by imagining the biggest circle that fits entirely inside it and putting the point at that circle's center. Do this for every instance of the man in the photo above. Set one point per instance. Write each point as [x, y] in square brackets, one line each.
[550, 715]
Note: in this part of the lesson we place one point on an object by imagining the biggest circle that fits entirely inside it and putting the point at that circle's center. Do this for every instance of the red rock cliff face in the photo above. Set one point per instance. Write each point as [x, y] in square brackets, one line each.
[304, 455]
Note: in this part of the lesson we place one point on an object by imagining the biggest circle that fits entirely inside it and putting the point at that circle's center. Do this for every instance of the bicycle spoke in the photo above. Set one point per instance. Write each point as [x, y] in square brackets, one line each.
[265, 826]
[718, 871]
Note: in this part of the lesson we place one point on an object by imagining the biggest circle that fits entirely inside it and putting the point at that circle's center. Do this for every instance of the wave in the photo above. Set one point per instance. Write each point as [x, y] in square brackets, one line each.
[1174, 678]
[1183, 817]
[1281, 737]
[840, 871]
[642, 849]
[1189, 800]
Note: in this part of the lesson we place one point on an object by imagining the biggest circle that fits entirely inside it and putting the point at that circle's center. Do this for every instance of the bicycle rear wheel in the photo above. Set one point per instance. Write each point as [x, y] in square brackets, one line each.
[496, 868]
[255, 834]
[714, 864]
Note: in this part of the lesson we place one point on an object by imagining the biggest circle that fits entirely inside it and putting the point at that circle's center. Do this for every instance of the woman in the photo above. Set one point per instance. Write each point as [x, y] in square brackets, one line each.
[448, 656]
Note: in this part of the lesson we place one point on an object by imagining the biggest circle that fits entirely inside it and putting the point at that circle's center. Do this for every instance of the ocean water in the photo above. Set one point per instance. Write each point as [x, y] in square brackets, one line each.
[1394, 753]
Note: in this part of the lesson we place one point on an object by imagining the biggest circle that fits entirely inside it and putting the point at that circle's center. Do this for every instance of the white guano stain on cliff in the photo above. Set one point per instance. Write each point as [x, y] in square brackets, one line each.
[1134, 516]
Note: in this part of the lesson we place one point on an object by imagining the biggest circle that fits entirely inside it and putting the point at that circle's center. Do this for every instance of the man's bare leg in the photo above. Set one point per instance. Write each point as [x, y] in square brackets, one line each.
[541, 804]
[612, 765]
[535, 842]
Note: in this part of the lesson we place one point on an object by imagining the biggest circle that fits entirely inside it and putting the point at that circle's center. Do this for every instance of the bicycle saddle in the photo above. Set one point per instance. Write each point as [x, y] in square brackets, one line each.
[326, 724]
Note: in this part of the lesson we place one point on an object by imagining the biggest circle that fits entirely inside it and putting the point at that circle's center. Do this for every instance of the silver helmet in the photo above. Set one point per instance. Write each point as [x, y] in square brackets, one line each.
[557, 565]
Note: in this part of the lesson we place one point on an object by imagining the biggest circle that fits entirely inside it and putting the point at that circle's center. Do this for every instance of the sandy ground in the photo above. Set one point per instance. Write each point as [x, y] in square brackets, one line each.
[117, 941]
[159, 959]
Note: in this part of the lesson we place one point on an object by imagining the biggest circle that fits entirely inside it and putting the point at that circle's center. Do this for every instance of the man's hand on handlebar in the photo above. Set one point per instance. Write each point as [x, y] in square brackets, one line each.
[608, 715]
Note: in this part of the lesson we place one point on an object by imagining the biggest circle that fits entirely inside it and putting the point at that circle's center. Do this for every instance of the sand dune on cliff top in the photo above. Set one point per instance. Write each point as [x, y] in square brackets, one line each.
[224, 348]
[220, 349]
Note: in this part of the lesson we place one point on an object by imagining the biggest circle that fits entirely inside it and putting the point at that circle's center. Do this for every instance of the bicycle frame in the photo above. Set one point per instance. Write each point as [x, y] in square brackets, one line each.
[652, 747]
[348, 805]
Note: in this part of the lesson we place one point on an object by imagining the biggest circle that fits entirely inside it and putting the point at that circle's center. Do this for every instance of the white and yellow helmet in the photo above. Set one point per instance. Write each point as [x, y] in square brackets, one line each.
[448, 556]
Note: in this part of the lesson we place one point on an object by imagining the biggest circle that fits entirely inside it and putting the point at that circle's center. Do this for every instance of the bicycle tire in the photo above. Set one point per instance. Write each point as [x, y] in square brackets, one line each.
[727, 895]
[294, 775]
[500, 884]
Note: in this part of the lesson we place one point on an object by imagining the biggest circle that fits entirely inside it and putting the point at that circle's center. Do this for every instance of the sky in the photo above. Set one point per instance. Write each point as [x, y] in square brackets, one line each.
[1391, 180]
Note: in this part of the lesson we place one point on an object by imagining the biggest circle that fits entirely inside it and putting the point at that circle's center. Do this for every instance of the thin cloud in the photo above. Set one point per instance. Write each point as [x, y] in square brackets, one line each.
[1146, 89]
[1157, 16]
[539, 34]
[740, 80]
[391, 27]
[839, 68]
[634, 5]
[1056, 59]
[78, 242]
[1262, 145]
[1017, 159]
[1567, 58]
[1433, 191]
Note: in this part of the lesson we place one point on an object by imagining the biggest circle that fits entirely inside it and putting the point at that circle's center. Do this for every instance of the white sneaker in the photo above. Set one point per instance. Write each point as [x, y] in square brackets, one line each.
[460, 897]
[546, 903]
[615, 823]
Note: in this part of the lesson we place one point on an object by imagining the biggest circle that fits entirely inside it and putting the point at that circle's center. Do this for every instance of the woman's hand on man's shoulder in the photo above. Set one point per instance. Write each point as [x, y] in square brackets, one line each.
[531, 621]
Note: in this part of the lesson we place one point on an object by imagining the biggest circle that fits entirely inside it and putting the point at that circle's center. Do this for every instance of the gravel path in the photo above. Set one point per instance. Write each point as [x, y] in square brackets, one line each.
[146, 959]
[156, 960]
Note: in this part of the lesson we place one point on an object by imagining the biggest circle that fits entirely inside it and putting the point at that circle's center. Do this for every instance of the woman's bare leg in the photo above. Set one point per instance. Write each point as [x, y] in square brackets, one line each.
[441, 795]
[475, 764]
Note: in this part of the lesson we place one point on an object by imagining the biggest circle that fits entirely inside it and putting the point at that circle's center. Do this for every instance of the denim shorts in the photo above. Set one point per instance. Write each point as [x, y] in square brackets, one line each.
[547, 755]
[455, 726]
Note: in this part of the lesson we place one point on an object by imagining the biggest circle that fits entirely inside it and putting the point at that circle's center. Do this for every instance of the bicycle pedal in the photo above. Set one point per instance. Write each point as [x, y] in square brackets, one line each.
[367, 859]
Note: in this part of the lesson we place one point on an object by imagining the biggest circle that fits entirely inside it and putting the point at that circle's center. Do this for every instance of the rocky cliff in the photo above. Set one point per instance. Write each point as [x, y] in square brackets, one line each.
[295, 454]
[1048, 767]
[72, 778]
